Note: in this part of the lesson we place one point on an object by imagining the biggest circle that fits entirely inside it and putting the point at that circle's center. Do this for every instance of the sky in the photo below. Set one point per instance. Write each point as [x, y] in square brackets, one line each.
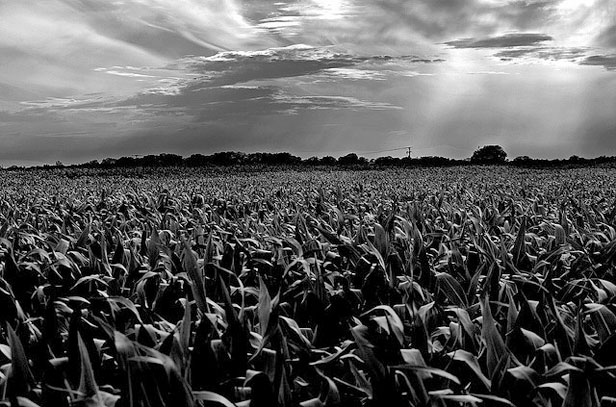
[89, 79]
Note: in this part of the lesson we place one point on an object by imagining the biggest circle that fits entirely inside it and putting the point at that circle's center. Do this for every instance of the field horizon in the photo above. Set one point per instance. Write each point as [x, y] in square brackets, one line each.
[486, 155]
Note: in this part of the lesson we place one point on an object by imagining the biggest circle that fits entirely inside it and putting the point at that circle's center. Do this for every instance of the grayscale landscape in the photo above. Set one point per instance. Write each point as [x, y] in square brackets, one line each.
[315, 203]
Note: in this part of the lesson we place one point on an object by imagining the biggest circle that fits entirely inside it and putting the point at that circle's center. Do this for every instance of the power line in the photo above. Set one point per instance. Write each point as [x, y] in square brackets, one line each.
[407, 148]
[385, 151]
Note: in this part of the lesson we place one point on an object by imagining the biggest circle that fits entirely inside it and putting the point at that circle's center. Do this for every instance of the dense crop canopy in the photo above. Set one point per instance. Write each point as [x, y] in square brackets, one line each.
[428, 287]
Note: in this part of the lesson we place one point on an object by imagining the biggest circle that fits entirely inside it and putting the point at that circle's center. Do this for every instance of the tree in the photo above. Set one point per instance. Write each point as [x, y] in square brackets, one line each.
[108, 162]
[576, 159]
[349, 159]
[196, 160]
[492, 154]
[523, 160]
[328, 160]
[312, 161]
[227, 158]
[387, 161]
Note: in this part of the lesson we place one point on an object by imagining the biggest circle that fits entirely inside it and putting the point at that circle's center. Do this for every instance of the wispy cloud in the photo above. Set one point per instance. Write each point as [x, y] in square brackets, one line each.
[326, 102]
[128, 74]
[53, 46]
[502, 41]
[522, 47]
[489, 73]
[547, 53]
[353, 74]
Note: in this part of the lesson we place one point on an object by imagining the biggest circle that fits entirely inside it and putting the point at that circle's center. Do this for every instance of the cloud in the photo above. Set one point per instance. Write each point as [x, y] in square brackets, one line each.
[327, 102]
[528, 14]
[503, 41]
[232, 67]
[489, 73]
[128, 74]
[299, 60]
[264, 82]
[201, 103]
[391, 25]
[396, 24]
[233, 88]
[578, 55]
[229, 93]
[334, 74]
[51, 48]
[546, 53]
[174, 29]
[607, 61]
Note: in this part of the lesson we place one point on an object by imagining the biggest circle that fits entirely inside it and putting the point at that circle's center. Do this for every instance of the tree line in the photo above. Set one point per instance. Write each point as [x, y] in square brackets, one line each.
[489, 154]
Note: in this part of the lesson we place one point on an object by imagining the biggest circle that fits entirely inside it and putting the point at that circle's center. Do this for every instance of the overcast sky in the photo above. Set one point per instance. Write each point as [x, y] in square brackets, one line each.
[88, 79]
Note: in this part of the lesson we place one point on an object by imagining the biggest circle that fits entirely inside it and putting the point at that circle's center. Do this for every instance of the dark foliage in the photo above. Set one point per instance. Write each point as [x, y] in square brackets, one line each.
[262, 161]
[492, 154]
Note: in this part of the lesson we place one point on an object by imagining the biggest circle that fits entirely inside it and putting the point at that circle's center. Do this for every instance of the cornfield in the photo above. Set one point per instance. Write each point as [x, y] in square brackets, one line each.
[478, 286]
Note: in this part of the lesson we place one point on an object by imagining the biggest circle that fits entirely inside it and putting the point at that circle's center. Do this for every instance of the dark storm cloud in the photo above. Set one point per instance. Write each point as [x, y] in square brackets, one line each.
[607, 61]
[503, 41]
[229, 68]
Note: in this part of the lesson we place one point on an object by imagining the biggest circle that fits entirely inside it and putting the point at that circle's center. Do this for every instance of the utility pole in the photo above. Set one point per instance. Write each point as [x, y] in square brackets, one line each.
[408, 149]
